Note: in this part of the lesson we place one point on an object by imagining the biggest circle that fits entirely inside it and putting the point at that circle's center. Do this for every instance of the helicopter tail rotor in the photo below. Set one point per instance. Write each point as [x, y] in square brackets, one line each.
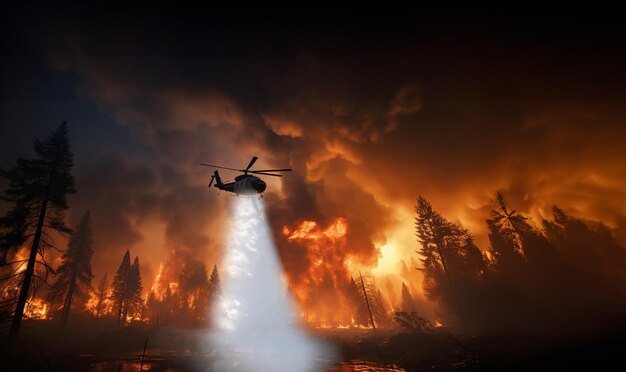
[218, 179]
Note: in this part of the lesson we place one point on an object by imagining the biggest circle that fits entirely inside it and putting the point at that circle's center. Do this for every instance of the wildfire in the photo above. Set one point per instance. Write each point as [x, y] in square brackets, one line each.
[180, 291]
[21, 257]
[10, 290]
[157, 280]
[323, 247]
[167, 278]
[326, 290]
[36, 309]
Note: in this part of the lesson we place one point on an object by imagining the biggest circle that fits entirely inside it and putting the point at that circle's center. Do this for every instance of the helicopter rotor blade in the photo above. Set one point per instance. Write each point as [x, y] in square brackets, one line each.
[273, 170]
[254, 159]
[211, 182]
[266, 174]
[218, 166]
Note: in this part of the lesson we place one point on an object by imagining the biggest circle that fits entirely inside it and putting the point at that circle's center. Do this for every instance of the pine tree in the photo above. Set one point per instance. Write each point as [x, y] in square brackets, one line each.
[37, 188]
[367, 292]
[448, 255]
[381, 309]
[74, 273]
[408, 304]
[102, 294]
[215, 286]
[359, 310]
[199, 291]
[133, 303]
[120, 286]
[513, 239]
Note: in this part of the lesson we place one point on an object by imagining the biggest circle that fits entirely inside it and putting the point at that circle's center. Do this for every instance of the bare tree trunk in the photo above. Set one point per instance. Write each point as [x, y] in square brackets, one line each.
[367, 301]
[125, 312]
[99, 307]
[30, 269]
[119, 312]
[68, 298]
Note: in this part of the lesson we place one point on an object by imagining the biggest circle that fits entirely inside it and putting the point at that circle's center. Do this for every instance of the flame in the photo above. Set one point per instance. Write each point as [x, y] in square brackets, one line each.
[157, 280]
[36, 309]
[22, 255]
[167, 275]
[321, 247]
[106, 307]
[172, 298]
[323, 291]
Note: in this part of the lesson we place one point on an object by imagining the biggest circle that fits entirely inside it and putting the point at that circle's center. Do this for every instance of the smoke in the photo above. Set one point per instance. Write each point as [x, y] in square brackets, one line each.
[367, 125]
[257, 326]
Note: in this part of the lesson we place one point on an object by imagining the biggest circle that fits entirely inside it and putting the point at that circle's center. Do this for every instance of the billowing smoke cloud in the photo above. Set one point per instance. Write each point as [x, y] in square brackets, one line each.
[366, 129]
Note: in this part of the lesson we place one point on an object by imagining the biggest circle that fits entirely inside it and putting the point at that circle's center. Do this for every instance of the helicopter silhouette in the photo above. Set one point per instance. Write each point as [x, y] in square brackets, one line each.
[246, 183]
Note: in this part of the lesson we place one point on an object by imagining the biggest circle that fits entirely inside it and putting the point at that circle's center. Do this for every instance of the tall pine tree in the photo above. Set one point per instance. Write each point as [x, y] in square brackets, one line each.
[120, 284]
[37, 188]
[215, 286]
[134, 288]
[408, 304]
[127, 288]
[450, 259]
[74, 273]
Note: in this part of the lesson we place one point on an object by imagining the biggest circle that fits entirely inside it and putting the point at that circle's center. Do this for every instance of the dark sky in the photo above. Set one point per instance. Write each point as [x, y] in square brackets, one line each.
[370, 107]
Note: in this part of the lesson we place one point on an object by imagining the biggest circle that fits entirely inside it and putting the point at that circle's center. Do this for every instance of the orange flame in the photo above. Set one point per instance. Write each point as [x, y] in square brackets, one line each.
[36, 309]
[325, 292]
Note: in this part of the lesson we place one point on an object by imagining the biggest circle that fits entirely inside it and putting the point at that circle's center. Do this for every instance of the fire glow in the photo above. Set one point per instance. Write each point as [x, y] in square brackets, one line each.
[330, 294]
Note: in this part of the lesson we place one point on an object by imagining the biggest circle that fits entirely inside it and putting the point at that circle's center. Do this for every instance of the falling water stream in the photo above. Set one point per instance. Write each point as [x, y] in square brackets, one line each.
[258, 327]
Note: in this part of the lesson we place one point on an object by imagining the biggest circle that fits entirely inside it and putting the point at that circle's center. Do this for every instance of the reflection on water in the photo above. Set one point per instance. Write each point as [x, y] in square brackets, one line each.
[157, 364]
[175, 363]
[124, 366]
[362, 366]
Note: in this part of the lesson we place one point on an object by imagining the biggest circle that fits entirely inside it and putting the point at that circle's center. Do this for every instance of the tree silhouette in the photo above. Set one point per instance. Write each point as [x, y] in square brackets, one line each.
[355, 300]
[74, 273]
[194, 291]
[121, 287]
[102, 294]
[133, 303]
[127, 288]
[215, 286]
[408, 304]
[514, 237]
[37, 188]
[450, 259]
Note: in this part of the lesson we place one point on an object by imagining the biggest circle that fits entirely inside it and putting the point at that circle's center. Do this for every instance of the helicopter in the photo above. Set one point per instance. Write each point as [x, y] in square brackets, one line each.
[246, 183]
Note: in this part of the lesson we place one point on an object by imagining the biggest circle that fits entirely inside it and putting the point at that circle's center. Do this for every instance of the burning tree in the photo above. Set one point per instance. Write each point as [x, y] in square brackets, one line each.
[194, 292]
[74, 273]
[373, 301]
[37, 188]
[359, 309]
[451, 262]
[100, 296]
[215, 284]
[182, 291]
[408, 303]
[127, 289]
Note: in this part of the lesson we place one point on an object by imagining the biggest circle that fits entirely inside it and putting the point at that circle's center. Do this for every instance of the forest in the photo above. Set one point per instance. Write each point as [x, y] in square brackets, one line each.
[537, 284]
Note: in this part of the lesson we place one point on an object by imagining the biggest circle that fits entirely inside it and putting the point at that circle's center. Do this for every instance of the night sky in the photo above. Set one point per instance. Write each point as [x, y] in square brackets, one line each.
[370, 107]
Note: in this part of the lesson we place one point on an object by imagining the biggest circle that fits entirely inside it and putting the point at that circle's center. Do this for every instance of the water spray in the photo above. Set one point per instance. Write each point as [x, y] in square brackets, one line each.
[257, 323]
